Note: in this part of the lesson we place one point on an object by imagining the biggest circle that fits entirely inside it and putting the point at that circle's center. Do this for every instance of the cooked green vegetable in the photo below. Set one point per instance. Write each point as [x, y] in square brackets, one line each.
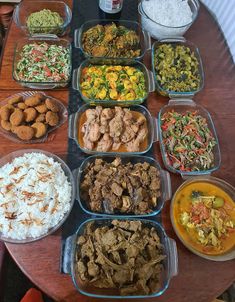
[177, 68]
[44, 21]
[43, 62]
[188, 141]
[120, 83]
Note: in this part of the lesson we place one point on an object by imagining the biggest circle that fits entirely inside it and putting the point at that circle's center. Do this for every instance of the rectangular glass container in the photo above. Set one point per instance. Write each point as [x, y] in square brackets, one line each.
[177, 41]
[181, 106]
[151, 125]
[145, 39]
[149, 80]
[170, 263]
[25, 8]
[49, 39]
[165, 183]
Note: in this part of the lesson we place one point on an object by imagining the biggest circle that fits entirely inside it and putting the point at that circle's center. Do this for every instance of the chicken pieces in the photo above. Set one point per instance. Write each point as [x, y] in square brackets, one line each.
[113, 129]
[30, 117]
[124, 255]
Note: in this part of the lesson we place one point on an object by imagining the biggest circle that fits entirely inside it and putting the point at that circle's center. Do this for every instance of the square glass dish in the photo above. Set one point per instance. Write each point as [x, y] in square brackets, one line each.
[164, 176]
[53, 77]
[144, 37]
[182, 106]
[175, 42]
[77, 136]
[26, 8]
[170, 263]
[148, 81]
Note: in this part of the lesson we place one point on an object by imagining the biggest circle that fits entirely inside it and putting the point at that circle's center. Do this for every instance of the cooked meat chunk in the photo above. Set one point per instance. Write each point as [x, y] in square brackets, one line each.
[107, 258]
[120, 188]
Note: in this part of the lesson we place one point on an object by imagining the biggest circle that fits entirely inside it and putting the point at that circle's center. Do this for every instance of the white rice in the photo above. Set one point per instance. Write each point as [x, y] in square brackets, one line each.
[35, 194]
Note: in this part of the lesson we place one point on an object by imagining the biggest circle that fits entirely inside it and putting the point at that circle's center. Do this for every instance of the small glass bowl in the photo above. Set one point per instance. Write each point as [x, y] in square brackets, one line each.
[230, 190]
[49, 39]
[177, 41]
[170, 263]
[63, 115]
[181, 106]
[9, 158]
[145, 39]
[151, 125]
[149, 80]
[25, 8]
[165, 183]
[159, 31]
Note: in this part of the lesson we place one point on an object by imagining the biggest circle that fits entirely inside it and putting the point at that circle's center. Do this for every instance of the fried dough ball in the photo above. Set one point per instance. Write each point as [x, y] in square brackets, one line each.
[22, 105]
[17, 117]
[6, 125]
[15, 100]
[40, 129]
[30, 114]
[41, 108]
[52, 105]
[41, 117]
[5, 113]
[24, 132]
[52, 118]
[34, 100]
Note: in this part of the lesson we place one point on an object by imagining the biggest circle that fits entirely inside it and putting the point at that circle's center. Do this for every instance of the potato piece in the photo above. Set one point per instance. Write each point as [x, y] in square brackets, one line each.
[41, 117]
[22, 105]
[52, 118]
[6, 125]
[5, 113]
[17, 117]
[15, 100]
[52, 105]
[41, 108]
[40, 129]
[34, 100]
[24, 132]
[30, 114]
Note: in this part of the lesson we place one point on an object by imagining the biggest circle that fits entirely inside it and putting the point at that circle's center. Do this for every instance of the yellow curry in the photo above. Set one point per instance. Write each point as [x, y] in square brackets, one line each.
[204, 216]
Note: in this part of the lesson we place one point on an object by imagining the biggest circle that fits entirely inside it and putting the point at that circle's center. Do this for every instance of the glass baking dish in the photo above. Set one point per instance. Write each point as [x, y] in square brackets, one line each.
[145, 39]
[25, 8]
[49, 39]
[181, 106]
[13, 155]
[177, 41]
[170, 263]
[149, 80]
[151, 124]
[165, 183]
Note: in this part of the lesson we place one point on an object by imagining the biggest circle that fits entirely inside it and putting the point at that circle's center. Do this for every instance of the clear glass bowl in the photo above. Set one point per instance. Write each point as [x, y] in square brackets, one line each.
[149, 80]
[165, 183]
[160, 31]
[230, 190]
[170, 263]
[9, 158]
[63, 116]
[49, 39]
[182, 106]
[145, 40]
[25, 8]
[177, 41]
[151, 125]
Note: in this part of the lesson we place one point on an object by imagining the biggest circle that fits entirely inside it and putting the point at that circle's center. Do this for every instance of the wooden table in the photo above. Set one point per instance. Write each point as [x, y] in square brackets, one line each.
[198, 280]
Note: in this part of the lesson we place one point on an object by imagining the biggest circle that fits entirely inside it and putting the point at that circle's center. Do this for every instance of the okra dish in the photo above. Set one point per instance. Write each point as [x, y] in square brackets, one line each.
[111, 40]
[188, 141]
[120, 83]
[43, 62]
[177, 68]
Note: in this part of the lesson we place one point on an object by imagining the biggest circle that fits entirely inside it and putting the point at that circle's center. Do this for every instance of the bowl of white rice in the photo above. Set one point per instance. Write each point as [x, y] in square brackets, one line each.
[37, 193]
[168, 18]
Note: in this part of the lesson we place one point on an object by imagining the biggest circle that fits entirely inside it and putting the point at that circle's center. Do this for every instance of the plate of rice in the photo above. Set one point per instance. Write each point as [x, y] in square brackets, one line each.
[37, 192]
